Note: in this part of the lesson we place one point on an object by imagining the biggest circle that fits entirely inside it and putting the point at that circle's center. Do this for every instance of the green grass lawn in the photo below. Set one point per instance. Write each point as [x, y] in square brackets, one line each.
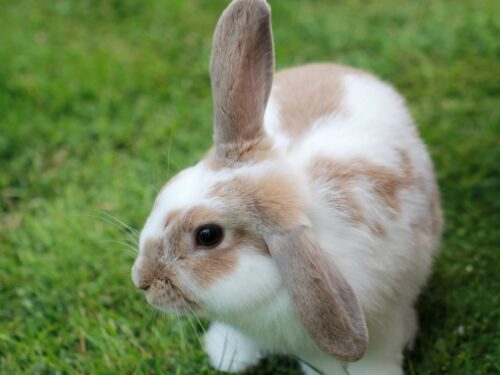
[102, 101]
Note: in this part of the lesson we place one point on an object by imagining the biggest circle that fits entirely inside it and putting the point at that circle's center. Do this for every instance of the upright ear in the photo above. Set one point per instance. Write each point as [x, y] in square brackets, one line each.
[326, 303]
[241, 71]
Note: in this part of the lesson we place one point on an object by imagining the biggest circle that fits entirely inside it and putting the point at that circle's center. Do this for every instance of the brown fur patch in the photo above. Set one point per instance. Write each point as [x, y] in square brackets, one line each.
[209, 267]
[149, 267]
[269, 201]
[172, 216]
[197, 216]
[151, 247]
[235, 154]
[342, 176]
[308, 92]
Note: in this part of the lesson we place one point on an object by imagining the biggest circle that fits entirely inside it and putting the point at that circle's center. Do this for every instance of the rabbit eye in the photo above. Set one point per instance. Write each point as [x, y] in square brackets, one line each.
[209, 235]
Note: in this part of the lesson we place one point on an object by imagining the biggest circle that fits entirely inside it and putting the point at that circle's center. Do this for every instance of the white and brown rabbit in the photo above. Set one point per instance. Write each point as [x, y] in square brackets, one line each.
[310, 227]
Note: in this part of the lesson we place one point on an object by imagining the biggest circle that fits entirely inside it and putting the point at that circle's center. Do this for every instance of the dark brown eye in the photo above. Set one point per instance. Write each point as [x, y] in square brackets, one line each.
[209, 235]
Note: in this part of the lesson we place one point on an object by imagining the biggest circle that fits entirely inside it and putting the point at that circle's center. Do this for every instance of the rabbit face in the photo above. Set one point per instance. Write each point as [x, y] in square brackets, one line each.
[203, 249]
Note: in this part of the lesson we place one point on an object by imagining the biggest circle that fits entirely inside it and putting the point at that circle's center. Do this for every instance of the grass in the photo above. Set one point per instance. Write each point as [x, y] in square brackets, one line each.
[102, 101]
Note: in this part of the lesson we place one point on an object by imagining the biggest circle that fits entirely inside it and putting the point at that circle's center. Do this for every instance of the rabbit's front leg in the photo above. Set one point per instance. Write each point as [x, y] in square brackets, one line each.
[229, 350]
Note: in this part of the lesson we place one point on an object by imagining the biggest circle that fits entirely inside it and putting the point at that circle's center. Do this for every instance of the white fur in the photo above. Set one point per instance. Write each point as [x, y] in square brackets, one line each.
[253, 310]
[228, 350]
[272, 125]
[220, 295]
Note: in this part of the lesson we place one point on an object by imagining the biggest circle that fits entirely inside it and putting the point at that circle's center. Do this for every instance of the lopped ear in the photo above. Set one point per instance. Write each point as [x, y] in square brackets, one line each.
[241, 71]
[325, 302]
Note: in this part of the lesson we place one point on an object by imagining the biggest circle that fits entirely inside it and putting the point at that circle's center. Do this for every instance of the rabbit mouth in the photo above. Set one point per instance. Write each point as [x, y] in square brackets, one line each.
[167, 297]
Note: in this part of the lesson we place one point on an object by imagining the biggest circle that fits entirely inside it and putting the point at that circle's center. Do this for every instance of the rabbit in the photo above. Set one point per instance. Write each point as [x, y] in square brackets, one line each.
[310, 228]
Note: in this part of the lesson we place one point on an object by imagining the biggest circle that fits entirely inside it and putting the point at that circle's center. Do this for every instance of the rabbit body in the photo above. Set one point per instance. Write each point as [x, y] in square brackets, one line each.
[320, 207]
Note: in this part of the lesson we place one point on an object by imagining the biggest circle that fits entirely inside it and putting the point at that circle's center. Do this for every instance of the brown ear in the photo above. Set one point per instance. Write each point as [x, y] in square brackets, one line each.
[241, 71]
[325, 302]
